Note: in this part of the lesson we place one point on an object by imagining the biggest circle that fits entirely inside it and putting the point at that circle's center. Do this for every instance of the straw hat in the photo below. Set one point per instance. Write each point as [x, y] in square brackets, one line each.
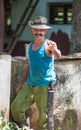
[39, 22]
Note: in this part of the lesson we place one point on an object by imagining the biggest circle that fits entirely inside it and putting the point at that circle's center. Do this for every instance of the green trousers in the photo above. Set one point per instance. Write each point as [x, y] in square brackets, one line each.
[24, 100]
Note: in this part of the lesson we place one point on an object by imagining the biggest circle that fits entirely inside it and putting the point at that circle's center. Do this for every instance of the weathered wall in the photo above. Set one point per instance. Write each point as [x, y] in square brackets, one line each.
[19, 65]
[67, 99]
[67, 106]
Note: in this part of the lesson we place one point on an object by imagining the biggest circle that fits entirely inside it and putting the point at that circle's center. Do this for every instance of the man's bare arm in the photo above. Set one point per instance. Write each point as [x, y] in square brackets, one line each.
[53, 50]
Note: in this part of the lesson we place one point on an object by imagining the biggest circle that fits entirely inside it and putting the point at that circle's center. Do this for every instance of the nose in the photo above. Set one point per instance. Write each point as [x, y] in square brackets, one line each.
[38, 31]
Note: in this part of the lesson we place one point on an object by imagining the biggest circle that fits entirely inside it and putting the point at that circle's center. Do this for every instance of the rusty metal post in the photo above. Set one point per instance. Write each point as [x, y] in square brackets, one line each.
[1, 25]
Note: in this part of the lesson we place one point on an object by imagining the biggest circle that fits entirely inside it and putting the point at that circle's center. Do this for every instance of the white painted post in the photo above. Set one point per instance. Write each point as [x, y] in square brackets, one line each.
[5, 79]
[26, 50]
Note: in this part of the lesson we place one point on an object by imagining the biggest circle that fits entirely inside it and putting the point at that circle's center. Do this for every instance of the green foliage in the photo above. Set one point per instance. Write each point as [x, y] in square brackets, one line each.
[69, 121]
[58, 128]
[7, 125]
[10, 126]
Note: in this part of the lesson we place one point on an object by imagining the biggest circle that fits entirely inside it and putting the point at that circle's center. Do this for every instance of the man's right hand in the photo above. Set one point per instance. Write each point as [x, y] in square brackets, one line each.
[18, 89]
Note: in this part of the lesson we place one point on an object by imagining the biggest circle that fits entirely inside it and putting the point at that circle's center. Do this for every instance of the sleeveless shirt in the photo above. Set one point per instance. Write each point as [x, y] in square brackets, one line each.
[41, 66]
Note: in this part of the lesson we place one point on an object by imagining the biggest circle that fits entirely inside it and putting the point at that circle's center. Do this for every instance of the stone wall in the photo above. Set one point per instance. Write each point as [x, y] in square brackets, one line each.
[67, 107]
[67, 98]
[18, 68]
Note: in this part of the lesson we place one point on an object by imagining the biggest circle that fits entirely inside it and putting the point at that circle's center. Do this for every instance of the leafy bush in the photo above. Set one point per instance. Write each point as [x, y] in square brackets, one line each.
[7, 125]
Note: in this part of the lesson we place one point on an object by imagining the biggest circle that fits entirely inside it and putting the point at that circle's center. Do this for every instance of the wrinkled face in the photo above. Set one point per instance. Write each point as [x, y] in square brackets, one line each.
[39, 33]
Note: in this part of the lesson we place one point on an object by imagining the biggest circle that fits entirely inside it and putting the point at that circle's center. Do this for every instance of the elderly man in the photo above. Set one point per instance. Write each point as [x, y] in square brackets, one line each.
[42, 53]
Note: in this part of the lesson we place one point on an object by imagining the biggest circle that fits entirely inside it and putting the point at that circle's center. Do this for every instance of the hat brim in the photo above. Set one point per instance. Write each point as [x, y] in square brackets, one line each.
[38, 26]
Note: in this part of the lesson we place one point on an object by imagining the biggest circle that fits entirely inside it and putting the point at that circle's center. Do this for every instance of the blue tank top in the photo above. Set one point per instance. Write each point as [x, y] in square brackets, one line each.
[41, 66]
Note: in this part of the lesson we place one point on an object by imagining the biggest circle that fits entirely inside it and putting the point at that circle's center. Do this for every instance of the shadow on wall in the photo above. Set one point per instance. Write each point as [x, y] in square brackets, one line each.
[19, 49]
[70, 121]
[62, 41]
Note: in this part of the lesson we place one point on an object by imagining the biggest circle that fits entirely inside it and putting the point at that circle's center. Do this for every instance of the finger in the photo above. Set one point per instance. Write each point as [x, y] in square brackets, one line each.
[51, 43]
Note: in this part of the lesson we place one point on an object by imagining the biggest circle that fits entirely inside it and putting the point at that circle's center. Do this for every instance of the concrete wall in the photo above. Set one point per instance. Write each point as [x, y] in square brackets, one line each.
[5, 81]
[67, 98]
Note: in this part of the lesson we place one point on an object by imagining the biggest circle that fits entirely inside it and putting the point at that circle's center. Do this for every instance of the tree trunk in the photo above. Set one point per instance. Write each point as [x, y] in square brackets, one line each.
[1, 25]
[76, 27]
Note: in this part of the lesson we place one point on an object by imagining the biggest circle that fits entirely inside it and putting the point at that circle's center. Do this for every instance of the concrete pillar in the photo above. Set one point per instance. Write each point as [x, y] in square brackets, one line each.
[5, 79]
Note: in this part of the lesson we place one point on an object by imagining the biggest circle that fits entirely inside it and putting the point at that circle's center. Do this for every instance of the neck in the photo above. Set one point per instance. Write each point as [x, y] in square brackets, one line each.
[38, 44]
[39, 41]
